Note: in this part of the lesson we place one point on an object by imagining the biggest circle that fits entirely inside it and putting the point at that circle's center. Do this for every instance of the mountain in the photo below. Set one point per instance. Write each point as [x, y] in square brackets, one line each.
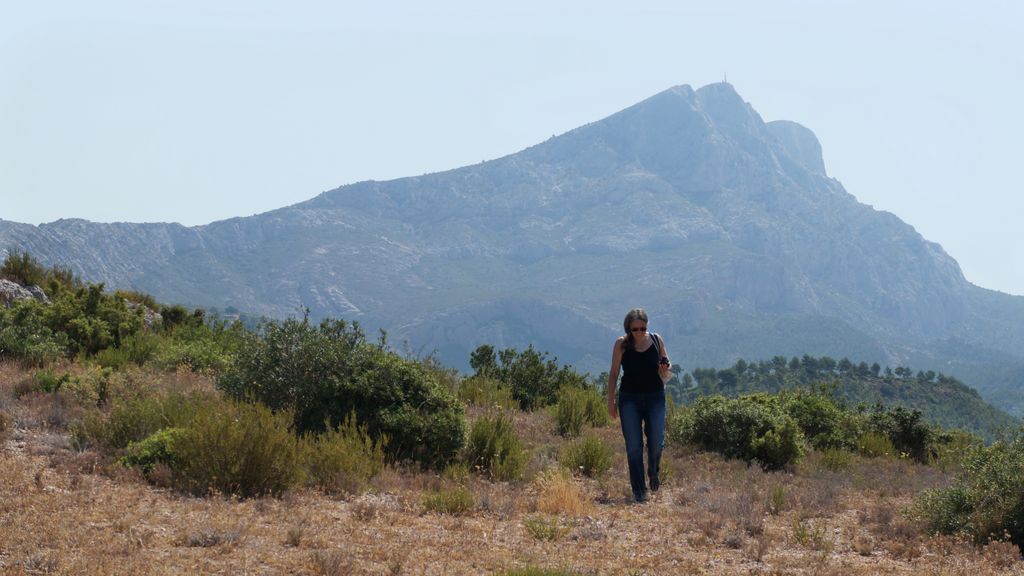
[725, 227]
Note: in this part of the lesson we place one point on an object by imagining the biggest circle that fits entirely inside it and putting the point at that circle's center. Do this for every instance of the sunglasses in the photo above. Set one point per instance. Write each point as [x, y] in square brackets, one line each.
[642, 329]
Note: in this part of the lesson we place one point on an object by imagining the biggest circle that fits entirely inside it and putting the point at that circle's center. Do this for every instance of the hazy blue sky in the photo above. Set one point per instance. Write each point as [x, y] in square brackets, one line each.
[193, 111]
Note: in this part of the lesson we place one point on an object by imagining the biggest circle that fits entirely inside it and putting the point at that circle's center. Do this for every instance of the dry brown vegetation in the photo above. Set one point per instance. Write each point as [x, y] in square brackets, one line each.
[69, 512]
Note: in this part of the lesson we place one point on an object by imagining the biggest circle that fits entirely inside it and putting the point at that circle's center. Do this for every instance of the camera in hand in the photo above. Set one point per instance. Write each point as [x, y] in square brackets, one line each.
[663, 361]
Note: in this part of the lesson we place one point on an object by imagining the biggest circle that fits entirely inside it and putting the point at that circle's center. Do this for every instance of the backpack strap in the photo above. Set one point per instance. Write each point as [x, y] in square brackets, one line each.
[661, 356]
[657, 346]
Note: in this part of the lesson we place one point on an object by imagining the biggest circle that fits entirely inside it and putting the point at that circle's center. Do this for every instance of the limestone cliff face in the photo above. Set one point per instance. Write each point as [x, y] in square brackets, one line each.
[726, 227]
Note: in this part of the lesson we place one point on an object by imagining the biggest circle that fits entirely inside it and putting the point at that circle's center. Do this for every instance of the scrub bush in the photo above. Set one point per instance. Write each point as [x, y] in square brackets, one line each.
[823, 422]
[487, 392]
[533, 378]
[206, 348]
[779, 446]
[875, 445]
[134, 419]
[112, 358]
[138, 349]
[578, 407]
[238, 448]
[91, 319]
[987, 500]
[325, 372]
[49, 381]
[560, 493]
[752, 427]
[494, 448]
[157, 448]
[588, 455]
[90, 387]
[545, 528]
[21, 267]
[907, 430]
[455, 501]
[342, 459]
[26, 336]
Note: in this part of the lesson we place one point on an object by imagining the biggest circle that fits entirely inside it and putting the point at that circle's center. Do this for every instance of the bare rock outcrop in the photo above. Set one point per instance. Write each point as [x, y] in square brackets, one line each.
[11, 292]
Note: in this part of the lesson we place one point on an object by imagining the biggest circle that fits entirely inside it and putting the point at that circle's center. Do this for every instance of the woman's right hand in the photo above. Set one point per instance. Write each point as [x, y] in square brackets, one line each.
[613, 410]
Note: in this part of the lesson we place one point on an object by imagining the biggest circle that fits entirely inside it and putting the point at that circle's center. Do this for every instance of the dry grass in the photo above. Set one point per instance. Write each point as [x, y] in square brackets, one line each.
[560, 494]
[76, 513]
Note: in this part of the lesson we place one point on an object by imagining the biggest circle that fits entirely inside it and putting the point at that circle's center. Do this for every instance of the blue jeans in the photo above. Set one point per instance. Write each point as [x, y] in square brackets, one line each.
[643, 414]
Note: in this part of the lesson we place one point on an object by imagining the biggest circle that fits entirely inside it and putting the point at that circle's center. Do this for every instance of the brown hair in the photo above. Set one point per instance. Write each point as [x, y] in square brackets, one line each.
[632, 316]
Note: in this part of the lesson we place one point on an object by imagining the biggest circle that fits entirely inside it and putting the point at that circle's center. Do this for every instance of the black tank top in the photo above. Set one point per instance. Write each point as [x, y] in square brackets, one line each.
[640, 370]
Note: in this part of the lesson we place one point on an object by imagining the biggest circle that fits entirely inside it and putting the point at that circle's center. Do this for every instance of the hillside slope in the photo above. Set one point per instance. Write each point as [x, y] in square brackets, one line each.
[724, 226]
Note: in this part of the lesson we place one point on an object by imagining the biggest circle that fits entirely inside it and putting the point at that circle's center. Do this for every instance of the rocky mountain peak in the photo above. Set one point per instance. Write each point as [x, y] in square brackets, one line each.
[801, 144]
[686, 203]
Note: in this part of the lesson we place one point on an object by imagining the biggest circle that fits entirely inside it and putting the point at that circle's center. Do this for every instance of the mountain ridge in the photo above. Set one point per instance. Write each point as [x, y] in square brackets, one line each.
[726, 227]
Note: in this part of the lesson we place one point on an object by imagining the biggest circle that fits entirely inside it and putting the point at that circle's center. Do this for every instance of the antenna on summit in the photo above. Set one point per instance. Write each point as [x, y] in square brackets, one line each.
[725, 78]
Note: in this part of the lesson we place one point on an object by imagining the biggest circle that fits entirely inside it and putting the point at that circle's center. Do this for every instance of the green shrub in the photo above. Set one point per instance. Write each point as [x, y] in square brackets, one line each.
[494, 448]
[114, 358]
[138, 298]
[776, 499]
[25, 335]
[823, 422]
[208, 349]
[136, 349]
[238, 448]
[487, 392]
[875, 445]
[404, 401]
[570, 413]
[135, 419]
[752, 427]
[79, 320]
[293, 364]
[343, 459]
[545, 529]
[946, 511]
[454, 501]
[779, 446]
[948, 454]
[987, 500]
[533, 378]
[23, 268]
[48, 381]
[38, 334]
[157, 448]
[91, 319]
[836, 460]
[326, 372]
[91, 387]
[39, 352]
[174, 316]
[910, 434]
[457, 472]
[577, 407]
[588, 455]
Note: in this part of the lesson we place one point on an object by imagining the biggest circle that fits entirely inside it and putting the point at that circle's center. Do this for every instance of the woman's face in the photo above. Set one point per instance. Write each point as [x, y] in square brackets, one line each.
[638, 328]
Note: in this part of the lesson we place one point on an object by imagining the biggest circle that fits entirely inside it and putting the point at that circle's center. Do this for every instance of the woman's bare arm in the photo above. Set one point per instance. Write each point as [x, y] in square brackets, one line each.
[613, 377]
